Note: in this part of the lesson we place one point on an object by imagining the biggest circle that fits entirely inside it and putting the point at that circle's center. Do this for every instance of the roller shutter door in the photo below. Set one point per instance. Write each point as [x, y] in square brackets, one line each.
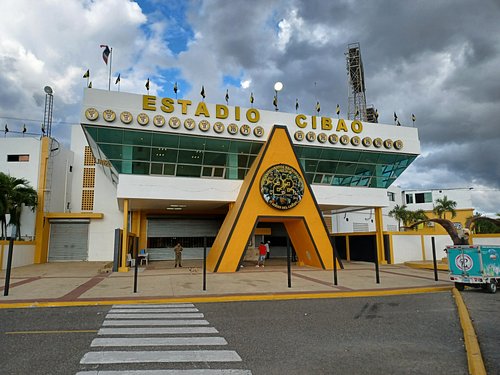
[182, 227]
[68, 241]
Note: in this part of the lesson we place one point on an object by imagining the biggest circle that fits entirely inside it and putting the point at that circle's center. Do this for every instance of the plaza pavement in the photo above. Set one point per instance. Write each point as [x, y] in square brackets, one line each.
[92, 283]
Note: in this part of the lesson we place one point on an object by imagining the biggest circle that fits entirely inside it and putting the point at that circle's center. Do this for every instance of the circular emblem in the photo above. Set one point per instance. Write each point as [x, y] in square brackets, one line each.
[91, 114]
[159, 121]
[109, 115]
[299, 135]
[355, 141]
[344, 139]
[398, 145]
[377, 142]
[258, 131]
[204, 125]
[142, 119]
[333, 139]
[126, 117]
[245, 129]
[388, 143]
[189, 124]
[232, 129]
[367, 141]
[282, 187]
[322, 137]
[311, 136]
[219, 127]
[174, 122]
[464, 263]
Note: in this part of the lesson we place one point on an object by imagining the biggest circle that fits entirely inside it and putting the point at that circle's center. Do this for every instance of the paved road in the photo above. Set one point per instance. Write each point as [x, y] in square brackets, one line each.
[484, 310]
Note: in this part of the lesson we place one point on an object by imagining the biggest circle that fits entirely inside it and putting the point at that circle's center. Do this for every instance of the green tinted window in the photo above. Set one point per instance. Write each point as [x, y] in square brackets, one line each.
[108, 135]
[131, 137]
[165, 140]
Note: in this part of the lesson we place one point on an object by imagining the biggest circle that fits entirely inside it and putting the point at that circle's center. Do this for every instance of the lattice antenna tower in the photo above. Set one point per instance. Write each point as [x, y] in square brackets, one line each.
[356, 76]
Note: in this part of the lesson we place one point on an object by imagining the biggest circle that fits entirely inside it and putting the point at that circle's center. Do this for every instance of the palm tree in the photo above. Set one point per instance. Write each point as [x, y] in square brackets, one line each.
[415, 216]
[400, 213]
[443, 206]
[14, 194]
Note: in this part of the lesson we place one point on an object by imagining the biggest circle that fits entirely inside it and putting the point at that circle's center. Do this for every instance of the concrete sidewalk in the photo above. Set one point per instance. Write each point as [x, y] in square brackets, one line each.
[85, 283]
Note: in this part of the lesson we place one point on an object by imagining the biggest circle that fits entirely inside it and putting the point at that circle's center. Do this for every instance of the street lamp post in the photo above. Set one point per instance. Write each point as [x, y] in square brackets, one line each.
[278, 86]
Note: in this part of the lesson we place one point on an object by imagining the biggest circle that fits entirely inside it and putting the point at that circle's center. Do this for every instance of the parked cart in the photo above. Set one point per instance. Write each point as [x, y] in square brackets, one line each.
[477, 266]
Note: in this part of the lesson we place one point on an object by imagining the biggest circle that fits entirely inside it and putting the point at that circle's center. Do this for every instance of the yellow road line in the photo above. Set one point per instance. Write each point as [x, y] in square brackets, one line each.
[235, 298]
[474, 357]
[46, 332]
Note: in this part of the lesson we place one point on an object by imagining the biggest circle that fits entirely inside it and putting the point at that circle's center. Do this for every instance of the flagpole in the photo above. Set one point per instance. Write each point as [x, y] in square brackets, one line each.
[110, 62]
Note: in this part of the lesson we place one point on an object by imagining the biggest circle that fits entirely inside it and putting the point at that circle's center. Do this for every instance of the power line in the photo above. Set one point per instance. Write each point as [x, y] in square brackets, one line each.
[37, 121]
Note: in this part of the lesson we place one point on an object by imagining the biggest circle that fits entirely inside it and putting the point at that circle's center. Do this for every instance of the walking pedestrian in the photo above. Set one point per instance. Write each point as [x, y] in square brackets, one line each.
[268, 249]
[262, 255]
[178, 254]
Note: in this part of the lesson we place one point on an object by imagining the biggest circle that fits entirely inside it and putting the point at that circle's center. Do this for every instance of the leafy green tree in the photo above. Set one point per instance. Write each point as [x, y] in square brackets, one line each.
[443, 206]
[14, 194]
[415, 216]
[400, 213]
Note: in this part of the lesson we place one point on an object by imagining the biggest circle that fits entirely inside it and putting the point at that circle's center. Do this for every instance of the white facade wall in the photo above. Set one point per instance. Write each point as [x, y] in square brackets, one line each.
[101, 231]
[28, 170]
[22, 255]
[463, 198]
[60, 180]
[486, 241]
[441, 241]
[406, 248]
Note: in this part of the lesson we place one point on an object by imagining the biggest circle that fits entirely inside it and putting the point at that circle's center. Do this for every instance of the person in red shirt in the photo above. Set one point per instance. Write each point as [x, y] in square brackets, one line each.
[262, 255]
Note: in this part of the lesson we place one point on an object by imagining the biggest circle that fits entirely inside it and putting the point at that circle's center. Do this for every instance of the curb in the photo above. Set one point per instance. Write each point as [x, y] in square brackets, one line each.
[474, 357]
[231, 298]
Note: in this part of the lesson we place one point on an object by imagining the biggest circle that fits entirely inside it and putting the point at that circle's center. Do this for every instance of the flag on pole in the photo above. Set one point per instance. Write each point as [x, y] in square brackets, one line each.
[43, 129]
[398, 124]
[202, 92]
[251, 98]
[227, 96]
[105, 53]
[395, 117]
[90, 84]
[296, 104]
[175, 88]
[318, 107]
[87, 74]
[6, 129]
[337, 110]
[147, 84]
[376, 113]
[118, 79]
[24, 128]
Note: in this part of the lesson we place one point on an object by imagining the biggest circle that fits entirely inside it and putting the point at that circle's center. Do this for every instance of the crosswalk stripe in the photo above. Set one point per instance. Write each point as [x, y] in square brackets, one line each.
[152, 310]
[157, 331]
[175, 322]
[155, 316]
[169, 372]
[158, 341]
[170, 356]
[147, 305]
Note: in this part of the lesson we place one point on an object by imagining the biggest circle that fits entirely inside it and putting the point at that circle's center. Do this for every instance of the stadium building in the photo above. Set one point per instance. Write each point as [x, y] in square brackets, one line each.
[147, 172]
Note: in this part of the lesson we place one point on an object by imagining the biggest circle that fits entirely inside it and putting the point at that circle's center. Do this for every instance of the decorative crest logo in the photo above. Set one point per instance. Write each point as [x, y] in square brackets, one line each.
[282, 187]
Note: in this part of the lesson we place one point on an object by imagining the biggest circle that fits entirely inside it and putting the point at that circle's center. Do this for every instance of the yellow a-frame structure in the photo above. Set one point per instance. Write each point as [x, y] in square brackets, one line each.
[303, 222]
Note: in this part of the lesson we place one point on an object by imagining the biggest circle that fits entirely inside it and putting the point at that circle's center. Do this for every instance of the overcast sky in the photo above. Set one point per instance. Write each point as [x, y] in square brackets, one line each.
[438, 59]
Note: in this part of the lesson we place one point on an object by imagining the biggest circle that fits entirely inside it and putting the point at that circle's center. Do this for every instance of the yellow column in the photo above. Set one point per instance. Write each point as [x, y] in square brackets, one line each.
[123, 267]
[422, 244]
[347, 248]
[379, 227]
[41, 241]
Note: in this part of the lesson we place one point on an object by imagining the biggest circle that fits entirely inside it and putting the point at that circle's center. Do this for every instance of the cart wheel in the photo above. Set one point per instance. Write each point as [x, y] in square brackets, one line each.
[492, 287]
[460, 286]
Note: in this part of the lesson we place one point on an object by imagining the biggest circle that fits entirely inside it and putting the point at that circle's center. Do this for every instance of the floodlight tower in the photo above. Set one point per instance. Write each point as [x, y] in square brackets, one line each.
[357, 98]
[49, 104]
